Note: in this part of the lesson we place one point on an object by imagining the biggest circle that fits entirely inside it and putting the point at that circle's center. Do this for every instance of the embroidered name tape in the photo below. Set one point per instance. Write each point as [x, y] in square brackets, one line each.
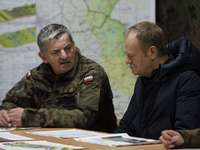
[89, 78]
[28, 74]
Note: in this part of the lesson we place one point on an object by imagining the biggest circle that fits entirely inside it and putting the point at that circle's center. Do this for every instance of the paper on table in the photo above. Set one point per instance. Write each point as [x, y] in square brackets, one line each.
[39, 145]
[71, 133]
[116, 140]
[15, 128]
[7, 136]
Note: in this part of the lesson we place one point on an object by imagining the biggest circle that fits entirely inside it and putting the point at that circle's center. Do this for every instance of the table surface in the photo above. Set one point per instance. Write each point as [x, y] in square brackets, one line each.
[82, 144]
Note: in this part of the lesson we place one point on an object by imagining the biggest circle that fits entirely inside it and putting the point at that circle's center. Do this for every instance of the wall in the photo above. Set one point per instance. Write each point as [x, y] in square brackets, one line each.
[179, 18]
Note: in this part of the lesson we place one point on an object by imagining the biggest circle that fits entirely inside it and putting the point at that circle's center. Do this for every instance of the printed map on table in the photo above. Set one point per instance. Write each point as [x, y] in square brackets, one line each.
[37, 145]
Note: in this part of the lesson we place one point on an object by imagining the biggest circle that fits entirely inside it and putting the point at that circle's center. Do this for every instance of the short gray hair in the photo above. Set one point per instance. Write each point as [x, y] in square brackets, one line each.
[49, 32]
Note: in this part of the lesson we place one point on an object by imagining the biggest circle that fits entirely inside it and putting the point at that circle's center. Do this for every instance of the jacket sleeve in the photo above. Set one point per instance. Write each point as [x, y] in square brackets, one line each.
[126, 125]
[82, 116]
[18, 96]
[54, 117]
[191, 138]
[129, 122]
[188, 102]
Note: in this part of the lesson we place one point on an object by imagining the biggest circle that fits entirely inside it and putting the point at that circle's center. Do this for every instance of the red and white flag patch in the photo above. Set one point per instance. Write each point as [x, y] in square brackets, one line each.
[89, 78]
[28, 74]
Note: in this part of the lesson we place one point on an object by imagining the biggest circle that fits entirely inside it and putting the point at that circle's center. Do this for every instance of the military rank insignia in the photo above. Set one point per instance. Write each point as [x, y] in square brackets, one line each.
[28, 74]
[89, 78]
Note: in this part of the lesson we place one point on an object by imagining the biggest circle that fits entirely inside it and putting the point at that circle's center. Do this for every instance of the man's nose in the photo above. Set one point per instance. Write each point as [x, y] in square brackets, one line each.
[127, 61]
[63, 54]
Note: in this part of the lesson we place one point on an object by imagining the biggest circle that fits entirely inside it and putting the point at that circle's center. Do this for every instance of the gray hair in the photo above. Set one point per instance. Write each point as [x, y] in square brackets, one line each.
[49, 32]
[149, 34]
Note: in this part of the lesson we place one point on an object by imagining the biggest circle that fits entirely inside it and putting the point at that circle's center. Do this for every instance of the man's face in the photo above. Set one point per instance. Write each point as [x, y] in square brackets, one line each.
[60, 54]
[140, 63]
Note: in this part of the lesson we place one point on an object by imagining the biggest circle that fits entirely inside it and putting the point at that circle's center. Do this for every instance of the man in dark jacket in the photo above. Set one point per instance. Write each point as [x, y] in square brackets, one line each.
[66, 90]
[167, 91]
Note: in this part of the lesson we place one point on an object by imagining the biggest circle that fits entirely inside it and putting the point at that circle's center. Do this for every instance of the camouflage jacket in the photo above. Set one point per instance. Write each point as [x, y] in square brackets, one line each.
[191, 138]
[81, 98]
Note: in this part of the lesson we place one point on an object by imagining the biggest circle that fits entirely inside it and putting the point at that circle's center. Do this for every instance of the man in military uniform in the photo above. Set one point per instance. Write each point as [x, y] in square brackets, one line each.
[180, 139]
[66, 90]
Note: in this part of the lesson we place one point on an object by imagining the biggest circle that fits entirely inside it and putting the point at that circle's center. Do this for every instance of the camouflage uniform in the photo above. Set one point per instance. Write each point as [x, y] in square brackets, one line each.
[191, 138]
[66, 100]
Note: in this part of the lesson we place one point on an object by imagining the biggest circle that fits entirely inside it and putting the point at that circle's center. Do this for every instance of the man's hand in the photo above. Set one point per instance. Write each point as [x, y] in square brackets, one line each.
[171, 139]
[15, 116]
[4, 119]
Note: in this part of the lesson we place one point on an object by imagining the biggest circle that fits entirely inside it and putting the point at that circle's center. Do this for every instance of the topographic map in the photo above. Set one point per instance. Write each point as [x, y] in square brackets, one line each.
[97, 27]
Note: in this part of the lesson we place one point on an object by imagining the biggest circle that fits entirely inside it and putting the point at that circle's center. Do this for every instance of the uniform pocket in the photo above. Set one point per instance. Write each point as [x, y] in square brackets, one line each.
[60, 101]
[69, 102]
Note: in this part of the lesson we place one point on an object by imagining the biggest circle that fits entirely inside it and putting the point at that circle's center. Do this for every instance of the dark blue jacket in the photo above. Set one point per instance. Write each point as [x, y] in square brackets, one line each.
[170, 99]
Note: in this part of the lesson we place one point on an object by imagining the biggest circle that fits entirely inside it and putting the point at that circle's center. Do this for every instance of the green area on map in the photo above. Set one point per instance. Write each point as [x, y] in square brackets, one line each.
[17, 12]
[20, 37]
[110, 34]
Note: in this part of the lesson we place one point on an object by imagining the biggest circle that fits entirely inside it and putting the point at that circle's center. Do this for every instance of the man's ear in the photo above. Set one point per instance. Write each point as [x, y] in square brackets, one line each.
[153, 52]
[43, 57]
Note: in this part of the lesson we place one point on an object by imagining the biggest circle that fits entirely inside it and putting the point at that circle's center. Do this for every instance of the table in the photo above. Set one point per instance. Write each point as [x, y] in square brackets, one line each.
[82, 144]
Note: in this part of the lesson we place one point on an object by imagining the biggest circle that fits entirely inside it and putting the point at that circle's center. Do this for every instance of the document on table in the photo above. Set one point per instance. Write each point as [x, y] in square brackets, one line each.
[7, 136]
[117, 140]
[39, 145]
[71, 133]
[14, 128]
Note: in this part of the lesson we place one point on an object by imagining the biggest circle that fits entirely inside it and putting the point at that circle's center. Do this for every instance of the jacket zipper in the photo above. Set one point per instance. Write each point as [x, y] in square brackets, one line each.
[142, 96]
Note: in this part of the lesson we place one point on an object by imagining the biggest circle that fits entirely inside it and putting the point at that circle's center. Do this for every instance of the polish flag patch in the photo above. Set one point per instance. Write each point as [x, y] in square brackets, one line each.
[28, 74]
[89, 78]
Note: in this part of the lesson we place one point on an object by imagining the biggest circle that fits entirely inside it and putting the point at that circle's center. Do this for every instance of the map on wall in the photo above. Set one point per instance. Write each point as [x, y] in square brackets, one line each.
[18, 49]
[97, 28]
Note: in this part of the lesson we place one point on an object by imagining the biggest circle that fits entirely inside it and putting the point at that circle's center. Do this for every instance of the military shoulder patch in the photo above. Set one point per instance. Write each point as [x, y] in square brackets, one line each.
[89, 78]
[28, 74]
